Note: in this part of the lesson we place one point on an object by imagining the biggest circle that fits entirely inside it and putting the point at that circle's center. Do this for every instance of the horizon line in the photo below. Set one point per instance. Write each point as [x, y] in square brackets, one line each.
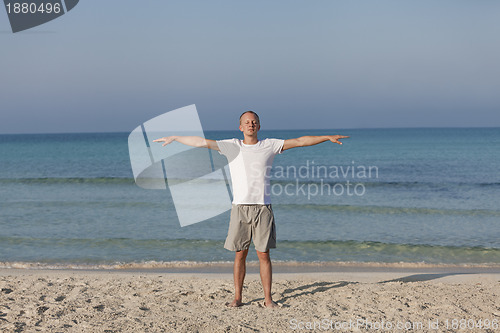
[275, 129]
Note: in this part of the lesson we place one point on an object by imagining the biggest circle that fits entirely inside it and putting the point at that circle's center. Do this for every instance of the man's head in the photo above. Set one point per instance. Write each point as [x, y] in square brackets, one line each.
[255, 114]
[249, 123]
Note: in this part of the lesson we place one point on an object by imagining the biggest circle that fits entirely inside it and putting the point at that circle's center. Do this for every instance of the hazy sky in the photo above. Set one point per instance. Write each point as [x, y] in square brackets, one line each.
[111, 65]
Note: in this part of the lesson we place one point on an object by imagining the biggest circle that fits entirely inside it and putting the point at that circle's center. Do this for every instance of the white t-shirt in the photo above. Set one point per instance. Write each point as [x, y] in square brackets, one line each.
[250, 167]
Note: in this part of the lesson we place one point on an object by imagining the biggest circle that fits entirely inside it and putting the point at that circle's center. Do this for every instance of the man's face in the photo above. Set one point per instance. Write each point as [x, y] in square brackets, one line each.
[249, 124]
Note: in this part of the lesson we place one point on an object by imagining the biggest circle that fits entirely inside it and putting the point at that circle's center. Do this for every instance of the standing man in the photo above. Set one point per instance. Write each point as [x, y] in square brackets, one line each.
[250, 162]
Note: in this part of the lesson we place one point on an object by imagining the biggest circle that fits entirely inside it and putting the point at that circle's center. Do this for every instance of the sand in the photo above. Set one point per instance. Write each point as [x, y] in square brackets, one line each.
[346, 301]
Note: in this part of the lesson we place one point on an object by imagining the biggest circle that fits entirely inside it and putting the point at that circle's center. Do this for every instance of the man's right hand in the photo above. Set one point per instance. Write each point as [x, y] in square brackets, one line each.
[193, 141]
[166, 140]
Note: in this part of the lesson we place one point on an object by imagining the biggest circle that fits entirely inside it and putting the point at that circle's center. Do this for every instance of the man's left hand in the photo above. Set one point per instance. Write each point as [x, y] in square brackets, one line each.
[335, 138]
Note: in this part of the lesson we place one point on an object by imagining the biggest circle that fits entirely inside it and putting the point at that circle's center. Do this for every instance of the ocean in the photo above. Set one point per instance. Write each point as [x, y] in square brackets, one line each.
[415, 195]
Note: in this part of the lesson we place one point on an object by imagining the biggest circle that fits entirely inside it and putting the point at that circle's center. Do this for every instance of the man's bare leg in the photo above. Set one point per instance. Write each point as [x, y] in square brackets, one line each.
[266, 276]
[239, 270]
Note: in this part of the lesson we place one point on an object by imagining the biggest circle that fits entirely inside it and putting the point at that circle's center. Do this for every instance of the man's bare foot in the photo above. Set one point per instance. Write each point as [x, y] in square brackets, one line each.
[234, 304]
[271, 304]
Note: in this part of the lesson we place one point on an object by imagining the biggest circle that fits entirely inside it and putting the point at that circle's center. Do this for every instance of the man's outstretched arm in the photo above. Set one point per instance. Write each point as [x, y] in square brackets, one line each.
[305, 141]
[193, 141]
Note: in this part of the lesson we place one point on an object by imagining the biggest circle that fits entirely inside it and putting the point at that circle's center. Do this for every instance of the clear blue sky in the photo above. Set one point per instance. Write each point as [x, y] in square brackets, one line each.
[111, 65]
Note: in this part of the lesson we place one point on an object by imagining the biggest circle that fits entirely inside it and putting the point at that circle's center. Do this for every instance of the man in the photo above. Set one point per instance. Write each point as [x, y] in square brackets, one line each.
[250, 162]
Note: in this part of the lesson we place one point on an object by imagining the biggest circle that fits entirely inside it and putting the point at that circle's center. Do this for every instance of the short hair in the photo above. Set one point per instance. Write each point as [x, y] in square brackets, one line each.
[249, 111]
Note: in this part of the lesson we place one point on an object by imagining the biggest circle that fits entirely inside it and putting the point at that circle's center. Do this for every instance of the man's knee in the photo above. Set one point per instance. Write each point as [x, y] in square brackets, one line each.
[263, 256]
[241, 255]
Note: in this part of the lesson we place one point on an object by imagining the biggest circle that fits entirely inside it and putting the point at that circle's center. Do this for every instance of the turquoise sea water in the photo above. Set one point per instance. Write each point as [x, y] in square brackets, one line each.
[386, 195]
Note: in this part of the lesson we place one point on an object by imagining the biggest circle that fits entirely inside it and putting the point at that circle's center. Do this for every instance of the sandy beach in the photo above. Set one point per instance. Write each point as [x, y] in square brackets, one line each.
[347, 300]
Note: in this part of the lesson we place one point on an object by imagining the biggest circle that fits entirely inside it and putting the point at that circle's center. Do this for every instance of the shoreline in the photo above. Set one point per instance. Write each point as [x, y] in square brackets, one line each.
[367, 276]
[253, 267]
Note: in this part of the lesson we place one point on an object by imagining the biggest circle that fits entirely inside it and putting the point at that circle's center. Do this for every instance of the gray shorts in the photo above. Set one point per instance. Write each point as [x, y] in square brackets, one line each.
[251, 221]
